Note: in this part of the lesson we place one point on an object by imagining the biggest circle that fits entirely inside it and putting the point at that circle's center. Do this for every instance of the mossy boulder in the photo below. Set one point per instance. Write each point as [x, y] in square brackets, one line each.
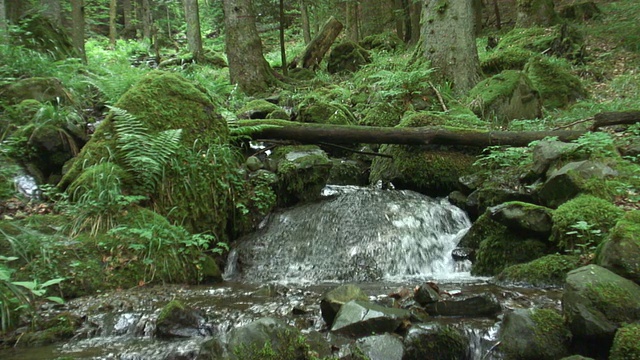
[596, 303]
[348, 172]
[625, 343]
[511, 58]
[261, 109]
[50, 331]
[387, 41]
[42, 89]
[179, 321]
[523, 217]
[321, 112]
[266, 339]
[534, 334]
[620, 252]
[535, 13]
[587, 177]
[547, 271]
[435, 343]
[504, 97]
[302, 172]
[347, 57]
[383, 114]
[557, 86]
[583, 222]
[559, 40]
[333, 300]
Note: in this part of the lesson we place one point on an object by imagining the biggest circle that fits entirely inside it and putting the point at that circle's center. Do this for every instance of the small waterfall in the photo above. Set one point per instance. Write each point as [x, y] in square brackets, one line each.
[356, 234]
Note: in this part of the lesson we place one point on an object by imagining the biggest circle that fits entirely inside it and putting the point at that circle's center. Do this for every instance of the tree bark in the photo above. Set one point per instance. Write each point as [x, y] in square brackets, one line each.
[247, 66]
[52, 11]
[615, 118]
[398, 14]
[376, 17]
[306, 25]
[77, 19]
[113, 10]
[341, 134]
[127, 19]
[3, 22]
[449, 42]
[147, 20]
[194, 38]
[283, 47]
[318, 47]
[415, 11]
[352, 21]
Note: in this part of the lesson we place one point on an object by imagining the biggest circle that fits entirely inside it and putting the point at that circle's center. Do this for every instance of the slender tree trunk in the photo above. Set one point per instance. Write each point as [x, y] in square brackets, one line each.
[496, 9]
[77, 19]
[449, 42]
[113, 11]
[127, 18]
[352, 21]
[3, 22]
[306, 26]
[247, 66]
[376, 17]
[147, 20]
[194, 38]
[283, 48]
[416, 12]
[398, 14]
[52, 11]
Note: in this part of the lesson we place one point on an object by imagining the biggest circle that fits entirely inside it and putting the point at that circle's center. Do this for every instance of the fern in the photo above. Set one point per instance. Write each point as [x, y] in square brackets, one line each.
[142, 154]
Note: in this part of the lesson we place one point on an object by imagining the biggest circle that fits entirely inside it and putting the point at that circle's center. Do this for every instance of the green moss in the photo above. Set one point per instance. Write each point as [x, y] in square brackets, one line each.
[444, 343]
[550, 270]
[167, 310]
[59, 328]
[511, 58]
[550, 332]
[557, 86]
[625, 343]
[481, 229]
[387, 41]
[496, 87]
[502, 249]
[382, 114]
[612, 300]
[347, 57]
[598, 215]
[536, 39]
[302, 173]
[326, 113]
[260, 109]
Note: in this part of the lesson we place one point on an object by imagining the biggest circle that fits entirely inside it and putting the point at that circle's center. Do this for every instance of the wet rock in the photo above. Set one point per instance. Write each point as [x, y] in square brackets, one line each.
[470, 183]
[474, 306]
[596, 302]
[463, 253]
[523, 217]
[483, 198]
[568, 181]
[361, 318]
[534, 334]
[253, 163]
[348, 172]
[178, 321]
[381, 347]
[426, 294]
[246, 342]
[435, 343]
[620, 253]
[335, 298]
[458, 199]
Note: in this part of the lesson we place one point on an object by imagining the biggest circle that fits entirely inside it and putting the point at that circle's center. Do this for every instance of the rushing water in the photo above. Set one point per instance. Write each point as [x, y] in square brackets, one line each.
[355, 234]
[379, 239]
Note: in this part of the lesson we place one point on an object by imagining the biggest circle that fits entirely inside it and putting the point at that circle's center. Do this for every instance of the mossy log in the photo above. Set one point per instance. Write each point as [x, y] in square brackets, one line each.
[615, 118]
[345, 134]
[318, 47]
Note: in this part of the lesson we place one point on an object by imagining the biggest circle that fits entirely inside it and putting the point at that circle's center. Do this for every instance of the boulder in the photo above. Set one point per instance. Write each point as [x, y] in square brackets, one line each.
[485, 305]
[426, 294]
[302, 172]
[261, 109]
[596, 302]
[380, 347]
[547, 152]
[322, 112]
[620, 252]
[360, 318]
[265, 336]
[178, 321]
[557, 86]
[334, 299]
[429, 342]
[42, 89]
[570, 180]
[626, 344]
[491, 195]
[523, 217]
[507, 96]
[547, 271]
[536, 334]
[347, 57]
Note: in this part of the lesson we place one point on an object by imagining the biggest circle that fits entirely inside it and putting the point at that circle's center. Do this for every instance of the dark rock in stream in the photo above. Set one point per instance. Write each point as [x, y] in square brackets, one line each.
[535, 334]
[178, 321]
[474, 306]
[361, 318]
[335, 298]
[426, 294]
[435, 343]
[380, 347]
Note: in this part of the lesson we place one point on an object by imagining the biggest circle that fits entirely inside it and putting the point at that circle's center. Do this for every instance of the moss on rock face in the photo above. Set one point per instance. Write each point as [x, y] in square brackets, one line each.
[556, 85]
[382, 114]
[512, 58]
[57, 329]
[550, 270]
[625, 343]
[583, 221]
[347, 57]
[501, 250]
[261, 109]
[387, 41]
[534, 334]
[621, 251]
[436, 344]
[322, 112]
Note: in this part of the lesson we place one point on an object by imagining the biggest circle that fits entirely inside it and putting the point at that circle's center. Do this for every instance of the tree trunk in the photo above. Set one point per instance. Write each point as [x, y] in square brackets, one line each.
[318, 47]
[283, 48]
[77, 34]
[247, 66]
[342, 134]
[532, 13]
[306, 25]
[128, 30]
[3, 22]
[376, 17]
[352, 21]
[398, 14]
[496, 10]
[192, 15]
[449, 42]
[14, 9]
[52, 11]
[113, 11]
[415, 11]
[147, 20]
[615, 118]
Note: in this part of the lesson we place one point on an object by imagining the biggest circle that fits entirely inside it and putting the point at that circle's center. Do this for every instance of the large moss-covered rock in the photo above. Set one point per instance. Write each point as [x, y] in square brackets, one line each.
[265, 339]
[359, 318]
[534, 334]
[572, 179]
[620, 253]
[523, 217]
[547, 271]
[596, 302]
[42, 89]
[382, 114]
[302, 172]
[435, 343]
[625, 343]
[583, 222]
[179, 321]
[335, 298]
[511, 58]
[507, 96]
[322, 112]
[261, 109]
[347, 57]
[556, 85]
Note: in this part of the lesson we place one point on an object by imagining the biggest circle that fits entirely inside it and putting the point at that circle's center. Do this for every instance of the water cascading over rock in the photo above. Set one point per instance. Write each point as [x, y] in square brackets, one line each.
[354, 234]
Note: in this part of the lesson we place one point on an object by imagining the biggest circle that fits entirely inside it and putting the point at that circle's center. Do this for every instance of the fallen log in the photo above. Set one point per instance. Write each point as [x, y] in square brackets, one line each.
[318, 47]
[615, 118]
[342, 134]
